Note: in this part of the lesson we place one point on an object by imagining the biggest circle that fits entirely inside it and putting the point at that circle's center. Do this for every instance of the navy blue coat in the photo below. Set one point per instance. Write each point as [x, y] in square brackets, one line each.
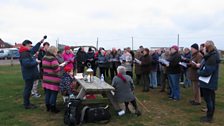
[155, 63]
[28, 62]
[210, 66]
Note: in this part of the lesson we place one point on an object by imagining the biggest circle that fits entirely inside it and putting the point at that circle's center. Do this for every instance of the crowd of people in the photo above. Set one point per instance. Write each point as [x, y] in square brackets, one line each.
[162, 69]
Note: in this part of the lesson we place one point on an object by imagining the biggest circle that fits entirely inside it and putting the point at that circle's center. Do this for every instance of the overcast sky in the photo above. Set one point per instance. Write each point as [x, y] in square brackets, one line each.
[79, 22]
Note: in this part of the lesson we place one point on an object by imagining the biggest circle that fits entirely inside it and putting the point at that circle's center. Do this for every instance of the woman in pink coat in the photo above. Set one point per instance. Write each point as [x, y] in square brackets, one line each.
[68, 56]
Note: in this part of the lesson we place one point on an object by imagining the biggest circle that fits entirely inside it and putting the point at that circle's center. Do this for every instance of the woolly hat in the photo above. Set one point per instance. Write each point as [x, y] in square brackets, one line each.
[195, 46]
[67, 69]
[26, 42]
[175, 47]
[66, 48]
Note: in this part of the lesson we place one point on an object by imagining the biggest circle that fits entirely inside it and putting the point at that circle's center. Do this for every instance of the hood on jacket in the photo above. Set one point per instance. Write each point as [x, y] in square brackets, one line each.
[23, 49]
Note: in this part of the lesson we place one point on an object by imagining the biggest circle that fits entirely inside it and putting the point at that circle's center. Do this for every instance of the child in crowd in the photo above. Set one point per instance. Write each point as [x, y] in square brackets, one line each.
[68, 85]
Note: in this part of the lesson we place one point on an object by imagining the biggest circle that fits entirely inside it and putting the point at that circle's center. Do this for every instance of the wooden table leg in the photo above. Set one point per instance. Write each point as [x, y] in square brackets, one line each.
[81, 94]
[112, 100]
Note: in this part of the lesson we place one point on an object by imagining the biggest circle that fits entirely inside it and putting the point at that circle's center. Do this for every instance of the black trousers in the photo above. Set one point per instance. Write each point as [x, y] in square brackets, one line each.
[27, 91]
[134, 104]
[164, 81]
[129, 73]
[145, 82]
[138, 79]
[102, 71]
[112, 71]
[209, 97]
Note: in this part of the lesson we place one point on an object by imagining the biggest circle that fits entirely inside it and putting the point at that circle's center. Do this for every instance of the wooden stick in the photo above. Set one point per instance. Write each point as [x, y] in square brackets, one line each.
[141, 104]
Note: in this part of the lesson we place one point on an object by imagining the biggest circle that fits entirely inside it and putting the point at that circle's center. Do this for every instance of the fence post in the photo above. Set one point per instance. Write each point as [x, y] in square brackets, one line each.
[11, 60]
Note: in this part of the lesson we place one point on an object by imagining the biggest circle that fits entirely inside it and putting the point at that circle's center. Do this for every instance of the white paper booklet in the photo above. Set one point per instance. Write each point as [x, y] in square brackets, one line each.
[79, 76]
[183, 64]
[138, 61]
[205, 79]
[163, 61]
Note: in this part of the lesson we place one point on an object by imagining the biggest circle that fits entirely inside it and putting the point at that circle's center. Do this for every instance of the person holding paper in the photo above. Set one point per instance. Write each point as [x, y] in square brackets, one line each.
[114, 62]
[173, 71]
[146, 62]
[154, 69]
[68, 56]
[185, 73]
[209, 67]
[126, 61]
[164, 76]
[193, 75]
[51, 78]
[137, 67]
[81, 58]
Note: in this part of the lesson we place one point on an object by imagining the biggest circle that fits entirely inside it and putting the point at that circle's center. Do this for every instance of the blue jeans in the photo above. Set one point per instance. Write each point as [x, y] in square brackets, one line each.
[27, 91]
[187, 81]
[174, 86]
[50, 97]
[153, 79]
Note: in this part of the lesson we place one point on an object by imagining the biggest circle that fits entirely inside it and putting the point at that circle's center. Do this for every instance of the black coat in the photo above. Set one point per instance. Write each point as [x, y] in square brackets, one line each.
[146, 64]
[90, 59]
[174, 67]
[210, 67]
[81, 57]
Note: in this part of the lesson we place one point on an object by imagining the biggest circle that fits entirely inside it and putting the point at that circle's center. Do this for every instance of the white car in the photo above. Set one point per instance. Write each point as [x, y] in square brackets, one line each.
[4, 53]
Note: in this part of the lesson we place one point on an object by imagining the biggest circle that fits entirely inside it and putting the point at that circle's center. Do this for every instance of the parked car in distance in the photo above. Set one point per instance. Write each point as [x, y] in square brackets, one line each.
[13, 53]
[4, 53]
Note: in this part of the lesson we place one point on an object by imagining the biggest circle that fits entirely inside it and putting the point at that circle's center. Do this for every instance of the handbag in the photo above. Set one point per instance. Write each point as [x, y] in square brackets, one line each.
[95, 115]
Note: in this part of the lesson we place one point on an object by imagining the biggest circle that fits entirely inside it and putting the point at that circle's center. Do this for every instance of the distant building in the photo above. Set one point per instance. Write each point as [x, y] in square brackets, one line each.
[5, 44]
[17, 45]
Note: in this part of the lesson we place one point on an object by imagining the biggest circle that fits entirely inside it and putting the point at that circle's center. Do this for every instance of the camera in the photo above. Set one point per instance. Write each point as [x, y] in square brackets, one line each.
[45, 37]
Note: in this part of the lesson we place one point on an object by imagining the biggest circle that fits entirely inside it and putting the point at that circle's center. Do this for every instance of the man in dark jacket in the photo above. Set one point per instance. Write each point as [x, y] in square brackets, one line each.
[193, 75]
[146, 63]
[81, 60]
[154, 69]
[209, 68]
[91, 60]
[29, 69]
[173, 71]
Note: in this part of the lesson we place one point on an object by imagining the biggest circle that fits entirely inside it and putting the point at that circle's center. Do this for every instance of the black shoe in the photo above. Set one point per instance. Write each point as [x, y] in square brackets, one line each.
[138, 113]
[162, 91]
[145, 90]
[127, 110]
[54, 109]
[196, 103]
[205, 119]
[31, 106]
[191, 101]
[48, 107]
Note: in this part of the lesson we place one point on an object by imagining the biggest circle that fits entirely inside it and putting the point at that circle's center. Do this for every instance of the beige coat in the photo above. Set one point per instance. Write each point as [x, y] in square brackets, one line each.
[138, 55]
[193, 75]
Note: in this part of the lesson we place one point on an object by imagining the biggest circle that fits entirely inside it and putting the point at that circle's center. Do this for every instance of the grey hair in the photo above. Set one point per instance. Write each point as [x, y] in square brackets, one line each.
[210, 42]
[52, 50]
[121, 69]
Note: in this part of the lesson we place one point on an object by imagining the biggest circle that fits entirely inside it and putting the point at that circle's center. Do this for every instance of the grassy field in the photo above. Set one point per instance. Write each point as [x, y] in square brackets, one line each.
[163, 112]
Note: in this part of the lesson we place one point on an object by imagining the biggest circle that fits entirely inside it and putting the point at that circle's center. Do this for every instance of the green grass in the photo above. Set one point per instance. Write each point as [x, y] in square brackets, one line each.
[163, 112]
